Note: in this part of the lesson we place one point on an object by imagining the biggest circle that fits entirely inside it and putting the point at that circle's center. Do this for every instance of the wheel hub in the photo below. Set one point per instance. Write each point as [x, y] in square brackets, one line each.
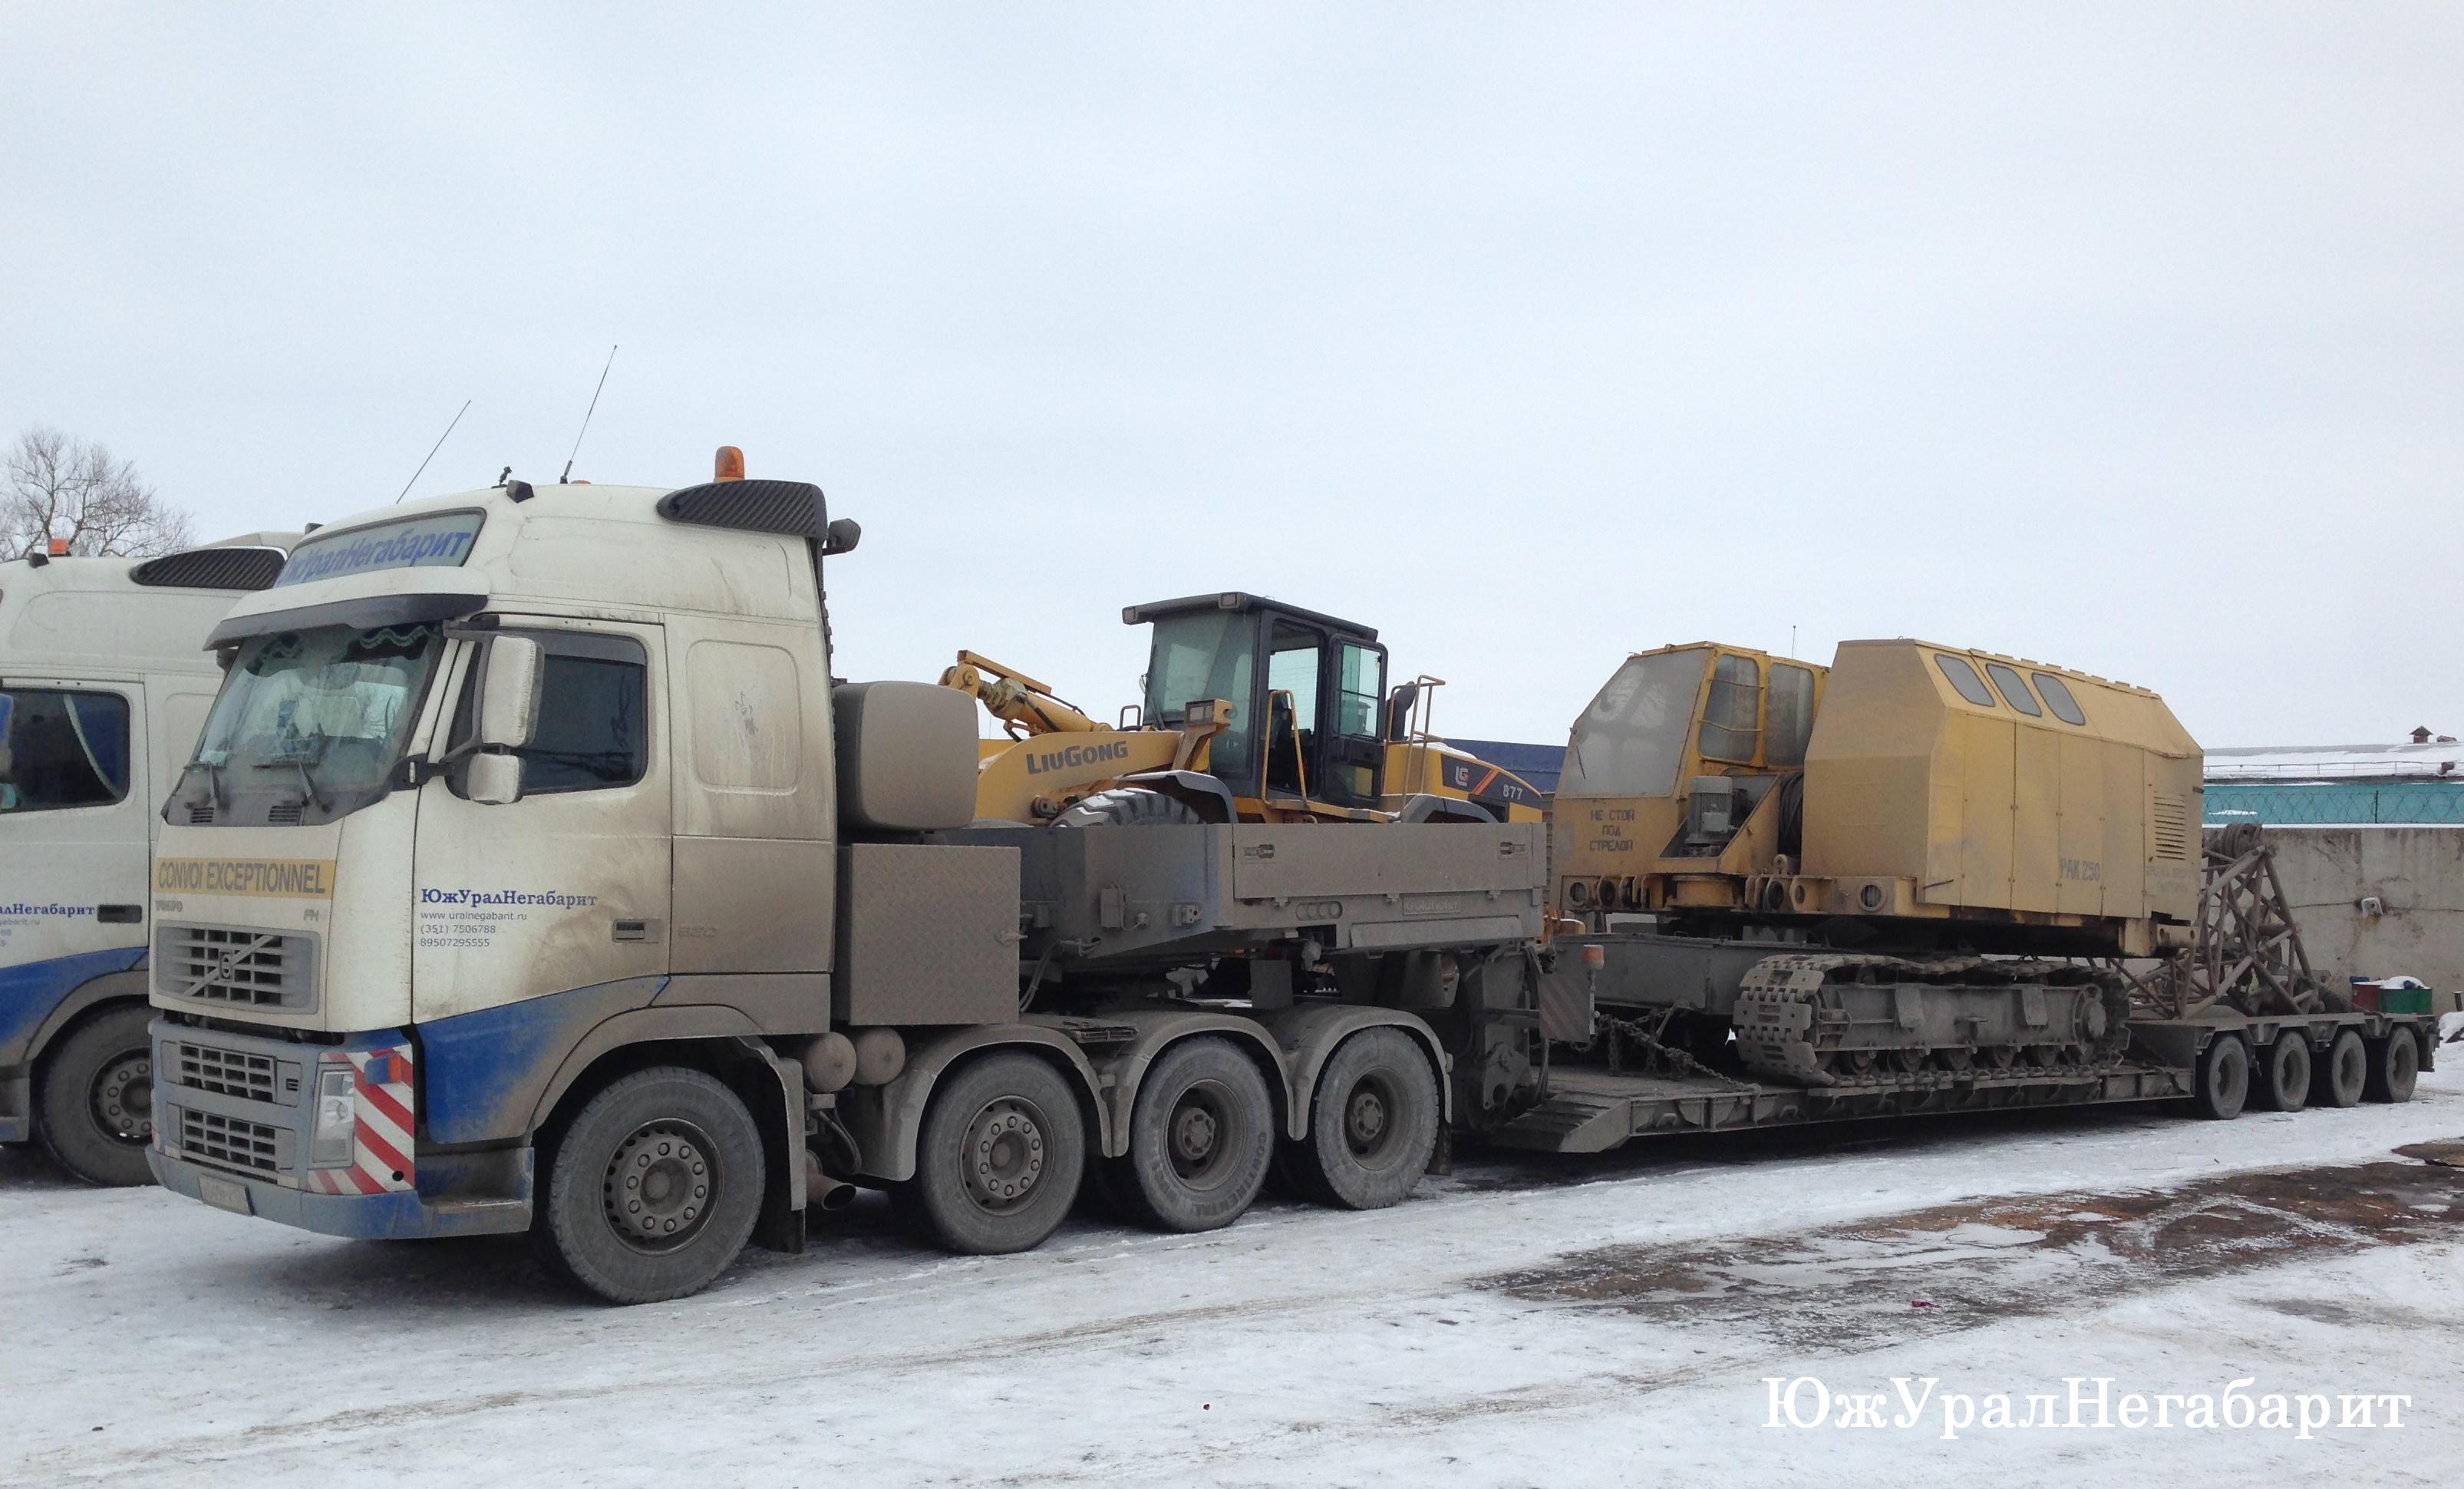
[1005, 1154]
[124, 1097]
[658, 1186]
[1364, 1118]
[1193, 1134]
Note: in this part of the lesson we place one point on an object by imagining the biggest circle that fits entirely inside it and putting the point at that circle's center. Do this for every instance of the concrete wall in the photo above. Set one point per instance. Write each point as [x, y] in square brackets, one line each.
[2417, 871]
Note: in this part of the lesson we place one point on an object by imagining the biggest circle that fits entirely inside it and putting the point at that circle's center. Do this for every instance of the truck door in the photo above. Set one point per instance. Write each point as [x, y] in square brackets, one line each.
[568, 886]
[73, 793]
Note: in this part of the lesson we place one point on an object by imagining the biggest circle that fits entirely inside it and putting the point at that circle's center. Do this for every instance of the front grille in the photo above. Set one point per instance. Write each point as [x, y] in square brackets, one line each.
[224, 1071]
[232, 1140]
[242, 968]
[284, 814]
[199, 816]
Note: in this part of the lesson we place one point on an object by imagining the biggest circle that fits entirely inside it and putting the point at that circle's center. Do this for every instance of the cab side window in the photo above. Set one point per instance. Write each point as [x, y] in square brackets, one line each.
[61, 749]
[592, 734]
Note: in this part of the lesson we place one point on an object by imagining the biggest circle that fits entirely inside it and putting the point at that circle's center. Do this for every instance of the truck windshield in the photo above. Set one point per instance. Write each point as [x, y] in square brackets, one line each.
[321, 713]
[1630, 741]
[60, 748]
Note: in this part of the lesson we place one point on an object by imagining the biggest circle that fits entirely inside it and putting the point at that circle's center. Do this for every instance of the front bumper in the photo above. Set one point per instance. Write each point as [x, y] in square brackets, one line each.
[233, 1127]
[397, 1216]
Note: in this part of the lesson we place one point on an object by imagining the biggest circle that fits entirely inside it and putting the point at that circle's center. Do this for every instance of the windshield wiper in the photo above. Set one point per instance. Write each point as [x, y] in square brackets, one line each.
[214, 778]
[298, 760]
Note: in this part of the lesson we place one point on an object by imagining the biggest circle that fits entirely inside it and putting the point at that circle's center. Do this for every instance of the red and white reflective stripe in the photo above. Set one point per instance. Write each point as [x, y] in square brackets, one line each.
[381, 1147]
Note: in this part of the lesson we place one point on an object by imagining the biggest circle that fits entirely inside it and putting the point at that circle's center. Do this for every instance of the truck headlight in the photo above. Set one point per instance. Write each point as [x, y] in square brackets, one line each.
[337, 1129]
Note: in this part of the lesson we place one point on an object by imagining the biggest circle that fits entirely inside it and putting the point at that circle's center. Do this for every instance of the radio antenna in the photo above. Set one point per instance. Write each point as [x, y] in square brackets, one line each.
[567, 478]
[431, 451]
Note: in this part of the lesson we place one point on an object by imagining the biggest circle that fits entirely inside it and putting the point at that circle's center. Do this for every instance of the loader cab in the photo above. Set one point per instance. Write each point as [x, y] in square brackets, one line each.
[1304, 689]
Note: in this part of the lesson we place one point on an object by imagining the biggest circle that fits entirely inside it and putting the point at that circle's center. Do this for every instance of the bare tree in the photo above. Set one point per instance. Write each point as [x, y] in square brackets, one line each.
[59, 487]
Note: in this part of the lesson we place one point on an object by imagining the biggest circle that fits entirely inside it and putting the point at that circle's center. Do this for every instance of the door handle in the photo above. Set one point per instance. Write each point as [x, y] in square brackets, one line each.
[120, 914]
[647, 931]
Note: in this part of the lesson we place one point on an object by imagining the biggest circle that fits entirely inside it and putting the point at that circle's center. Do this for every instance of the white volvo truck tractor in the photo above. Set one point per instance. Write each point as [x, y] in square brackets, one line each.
[104, 682]
[533, 874]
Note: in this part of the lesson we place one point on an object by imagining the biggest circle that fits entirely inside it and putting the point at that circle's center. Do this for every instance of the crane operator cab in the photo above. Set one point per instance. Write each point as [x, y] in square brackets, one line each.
[1290, 699]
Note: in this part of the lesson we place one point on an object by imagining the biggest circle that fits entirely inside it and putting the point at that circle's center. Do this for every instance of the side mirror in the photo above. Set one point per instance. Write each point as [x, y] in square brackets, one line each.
[1399, 711]
[493, 779]
[841, 536]
[508, 694]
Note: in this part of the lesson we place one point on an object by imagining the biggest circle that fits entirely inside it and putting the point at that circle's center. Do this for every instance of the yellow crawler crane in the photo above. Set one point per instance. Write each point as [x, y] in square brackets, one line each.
[1254, 711]
[1858, 867]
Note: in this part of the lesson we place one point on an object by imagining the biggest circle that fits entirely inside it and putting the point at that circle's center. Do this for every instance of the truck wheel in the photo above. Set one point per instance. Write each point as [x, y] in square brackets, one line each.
[1127, 805]
[1001, 1157]
[2341, 1078]
[1373, 1122]
[2284, 1074]
[2395, 1065]
[1201, 1139]
[95, 1104]
[2224, 1078]
[653, 1190]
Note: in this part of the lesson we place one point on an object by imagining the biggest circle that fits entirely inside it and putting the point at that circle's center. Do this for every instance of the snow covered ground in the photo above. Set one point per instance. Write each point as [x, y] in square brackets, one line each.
[1602, 1322]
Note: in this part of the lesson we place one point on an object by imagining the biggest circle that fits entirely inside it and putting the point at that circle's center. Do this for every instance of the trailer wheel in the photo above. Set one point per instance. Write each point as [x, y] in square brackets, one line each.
[998, 1162]
[2224, 1078]
[2284, 1083]
[1373, 1122]
[654, 1188]
[1201, 1139]
[2395, 1065]
[94, 1107]
[2339, 1078]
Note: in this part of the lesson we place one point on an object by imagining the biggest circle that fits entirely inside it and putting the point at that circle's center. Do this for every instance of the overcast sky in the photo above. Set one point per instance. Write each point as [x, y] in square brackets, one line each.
[2129, 338]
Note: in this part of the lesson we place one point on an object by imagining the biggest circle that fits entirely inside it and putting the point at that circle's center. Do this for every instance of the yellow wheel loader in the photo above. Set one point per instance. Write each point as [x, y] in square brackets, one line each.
[1254, 711]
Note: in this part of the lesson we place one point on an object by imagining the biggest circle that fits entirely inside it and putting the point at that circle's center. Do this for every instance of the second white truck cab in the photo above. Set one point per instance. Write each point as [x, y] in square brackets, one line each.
[105, 681]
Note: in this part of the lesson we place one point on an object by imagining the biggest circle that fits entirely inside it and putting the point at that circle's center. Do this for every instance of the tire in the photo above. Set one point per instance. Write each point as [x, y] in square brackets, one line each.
[2283, 1083]
[94, 1098]
[1128, 805]
[1201, 1139]
[653, 1189]
[2395, 1067]
[2338, 1077]
[1373, 1122]
[1002, 1155]
[2223, 1082]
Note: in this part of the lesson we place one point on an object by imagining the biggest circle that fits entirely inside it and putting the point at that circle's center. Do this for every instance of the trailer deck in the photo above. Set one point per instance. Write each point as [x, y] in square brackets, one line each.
[1591, 1110]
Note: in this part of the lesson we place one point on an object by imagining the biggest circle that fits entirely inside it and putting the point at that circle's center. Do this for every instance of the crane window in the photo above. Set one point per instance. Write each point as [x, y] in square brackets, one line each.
[1630, 741]
[2013, 690]
[2059, 698]
[1731, 727]
[1788, 718]
[1965, 680]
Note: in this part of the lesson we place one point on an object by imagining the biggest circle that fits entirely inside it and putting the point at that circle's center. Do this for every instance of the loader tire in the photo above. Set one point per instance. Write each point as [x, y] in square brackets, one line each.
[1201, 1139]
[653, 1190]
[94, 1103]
[1373, 1122]
[1128, 805]
[1002, 1155]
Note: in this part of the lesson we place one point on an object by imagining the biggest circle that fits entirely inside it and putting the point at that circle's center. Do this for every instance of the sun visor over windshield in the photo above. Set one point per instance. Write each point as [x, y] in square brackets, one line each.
[365, 613]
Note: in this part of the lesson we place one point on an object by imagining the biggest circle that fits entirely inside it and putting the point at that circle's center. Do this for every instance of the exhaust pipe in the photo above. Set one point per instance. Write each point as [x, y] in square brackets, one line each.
[824, 1192]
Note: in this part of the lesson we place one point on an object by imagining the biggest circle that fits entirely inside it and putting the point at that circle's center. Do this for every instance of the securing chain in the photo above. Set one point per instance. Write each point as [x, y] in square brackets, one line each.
[1667, 1057]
